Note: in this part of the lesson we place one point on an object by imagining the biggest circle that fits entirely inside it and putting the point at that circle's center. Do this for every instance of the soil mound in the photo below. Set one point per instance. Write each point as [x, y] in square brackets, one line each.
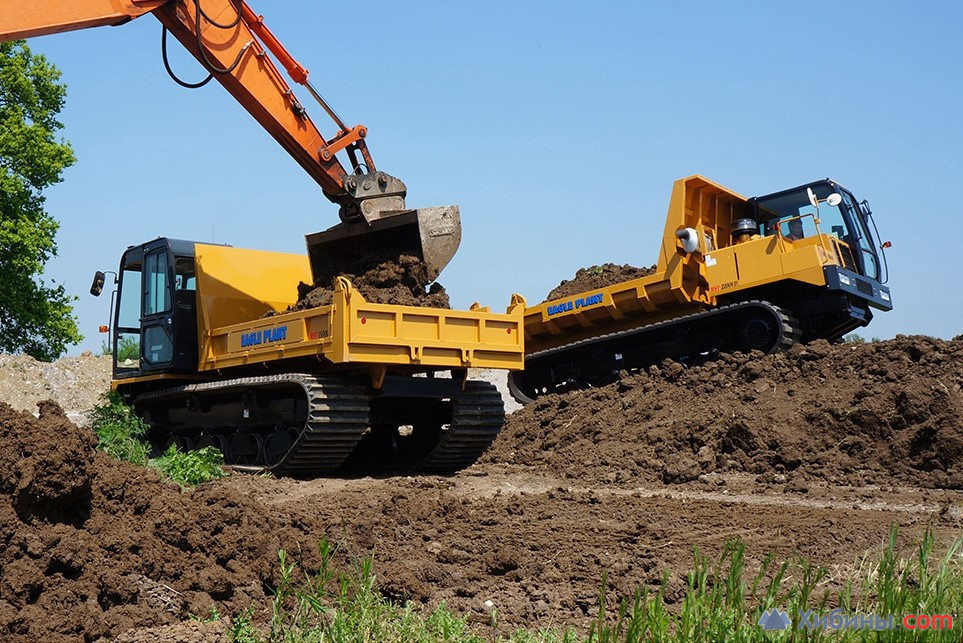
[75, 383]
[45, 474]
[91, 547]
[597, 277]
[403, 282]
[877, 413]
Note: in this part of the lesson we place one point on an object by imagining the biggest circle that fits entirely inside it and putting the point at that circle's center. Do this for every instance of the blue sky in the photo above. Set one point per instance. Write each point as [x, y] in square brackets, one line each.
[557, 127]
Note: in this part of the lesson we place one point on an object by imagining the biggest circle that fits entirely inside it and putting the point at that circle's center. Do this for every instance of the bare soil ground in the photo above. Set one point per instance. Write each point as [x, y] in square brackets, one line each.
[817, 451]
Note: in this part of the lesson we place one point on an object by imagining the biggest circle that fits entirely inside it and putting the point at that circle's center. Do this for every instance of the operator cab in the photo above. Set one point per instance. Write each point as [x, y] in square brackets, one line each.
[822, 207]
[827, 215]
[154, 319]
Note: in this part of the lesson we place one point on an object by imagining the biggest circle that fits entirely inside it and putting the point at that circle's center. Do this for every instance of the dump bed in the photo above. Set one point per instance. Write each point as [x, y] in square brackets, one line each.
[352, 331]
[610, 308]
[677, 287]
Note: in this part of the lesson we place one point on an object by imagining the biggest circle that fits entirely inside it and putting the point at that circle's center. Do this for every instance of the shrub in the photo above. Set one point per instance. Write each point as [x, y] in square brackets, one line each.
[120, 433]
[191, 468]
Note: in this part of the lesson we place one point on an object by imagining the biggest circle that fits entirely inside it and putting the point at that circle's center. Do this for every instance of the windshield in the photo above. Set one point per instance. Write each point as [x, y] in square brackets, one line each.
[862, 234]
[778, 211]
[795, 217]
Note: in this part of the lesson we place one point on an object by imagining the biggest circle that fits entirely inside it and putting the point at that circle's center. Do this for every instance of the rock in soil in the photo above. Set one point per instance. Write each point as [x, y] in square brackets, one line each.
[75, 383]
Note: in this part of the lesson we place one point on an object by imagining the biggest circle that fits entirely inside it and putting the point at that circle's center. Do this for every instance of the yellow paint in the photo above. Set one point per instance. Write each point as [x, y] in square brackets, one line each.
[173, 378]
[352, 331]
[238, 284]
[685, 283]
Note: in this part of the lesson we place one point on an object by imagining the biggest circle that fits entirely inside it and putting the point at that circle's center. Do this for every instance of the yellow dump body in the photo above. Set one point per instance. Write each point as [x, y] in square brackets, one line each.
[685, 282]
[237, 287]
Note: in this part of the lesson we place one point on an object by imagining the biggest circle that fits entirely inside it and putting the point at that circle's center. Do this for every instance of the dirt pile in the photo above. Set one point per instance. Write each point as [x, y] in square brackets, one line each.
[596, 277]
[91, 547]
[75, 383]
[403, 282]
[877, 413]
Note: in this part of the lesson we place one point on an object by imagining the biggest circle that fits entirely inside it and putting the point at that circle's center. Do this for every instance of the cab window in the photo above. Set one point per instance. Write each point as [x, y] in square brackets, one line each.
[157, 297]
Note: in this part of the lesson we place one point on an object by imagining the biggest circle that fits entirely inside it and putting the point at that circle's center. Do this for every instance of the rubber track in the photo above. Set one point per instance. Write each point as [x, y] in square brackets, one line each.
[337, 417]
[476, 421]
[790, 333]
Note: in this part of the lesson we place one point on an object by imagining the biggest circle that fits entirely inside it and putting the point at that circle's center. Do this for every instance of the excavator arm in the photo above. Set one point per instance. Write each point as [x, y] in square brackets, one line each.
[232, 43]
[29, 19]
[232, 46]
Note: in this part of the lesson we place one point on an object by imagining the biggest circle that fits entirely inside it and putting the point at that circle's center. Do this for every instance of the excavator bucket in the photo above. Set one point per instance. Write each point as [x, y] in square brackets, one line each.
[430, 234]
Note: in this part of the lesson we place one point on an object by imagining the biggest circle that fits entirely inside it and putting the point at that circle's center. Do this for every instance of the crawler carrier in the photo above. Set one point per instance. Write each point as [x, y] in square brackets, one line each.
[347, 385]
[734, 274]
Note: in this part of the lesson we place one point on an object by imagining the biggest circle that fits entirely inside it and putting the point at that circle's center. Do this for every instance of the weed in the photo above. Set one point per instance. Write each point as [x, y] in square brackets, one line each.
[191, 468]
[120, 433]
[213, 616]
[242, 629]
[720, 606]
[722, 603]
[128, 349]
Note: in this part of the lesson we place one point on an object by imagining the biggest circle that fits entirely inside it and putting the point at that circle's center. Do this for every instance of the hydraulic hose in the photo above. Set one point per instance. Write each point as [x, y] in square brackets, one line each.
[170, 72]
[200, 11]
[211, 67]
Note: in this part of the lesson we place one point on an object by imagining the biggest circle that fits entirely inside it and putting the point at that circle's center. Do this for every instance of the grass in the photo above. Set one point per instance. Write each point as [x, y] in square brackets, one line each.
[121, 434]
[189, 469]
[722, 602]
[326, 606]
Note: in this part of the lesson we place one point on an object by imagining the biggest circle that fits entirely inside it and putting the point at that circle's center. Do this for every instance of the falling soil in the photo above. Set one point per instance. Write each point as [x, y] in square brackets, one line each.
[849, 414]
[817, 451]
[403, 282]
[596, 277]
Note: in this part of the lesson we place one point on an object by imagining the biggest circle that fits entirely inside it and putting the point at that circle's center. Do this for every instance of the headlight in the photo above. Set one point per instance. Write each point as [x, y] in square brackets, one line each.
[844, 279]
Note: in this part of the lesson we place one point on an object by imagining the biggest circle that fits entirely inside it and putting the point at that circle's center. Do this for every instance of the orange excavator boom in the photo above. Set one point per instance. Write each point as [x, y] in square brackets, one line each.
[29, 19]
[232, 43]
[232, 46]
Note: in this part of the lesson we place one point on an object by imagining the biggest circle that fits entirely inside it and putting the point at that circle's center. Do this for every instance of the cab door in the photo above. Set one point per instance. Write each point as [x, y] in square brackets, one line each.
[156, 322]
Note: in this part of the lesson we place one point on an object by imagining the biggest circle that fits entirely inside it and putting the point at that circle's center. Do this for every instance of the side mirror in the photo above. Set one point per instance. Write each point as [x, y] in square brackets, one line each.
[98, 285]
[864, 206]
[812, 198]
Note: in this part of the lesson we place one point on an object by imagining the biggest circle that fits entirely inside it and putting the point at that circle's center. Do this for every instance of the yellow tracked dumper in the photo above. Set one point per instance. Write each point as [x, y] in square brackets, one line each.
[350, 384]
[207, 355]
[734, 274]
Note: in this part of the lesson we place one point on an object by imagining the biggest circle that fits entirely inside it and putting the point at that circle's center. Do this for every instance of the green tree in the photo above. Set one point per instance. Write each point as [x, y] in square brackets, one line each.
[36, 318]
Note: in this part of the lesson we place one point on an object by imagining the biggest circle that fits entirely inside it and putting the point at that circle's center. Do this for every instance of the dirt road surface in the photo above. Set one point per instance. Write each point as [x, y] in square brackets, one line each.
[817, 452]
